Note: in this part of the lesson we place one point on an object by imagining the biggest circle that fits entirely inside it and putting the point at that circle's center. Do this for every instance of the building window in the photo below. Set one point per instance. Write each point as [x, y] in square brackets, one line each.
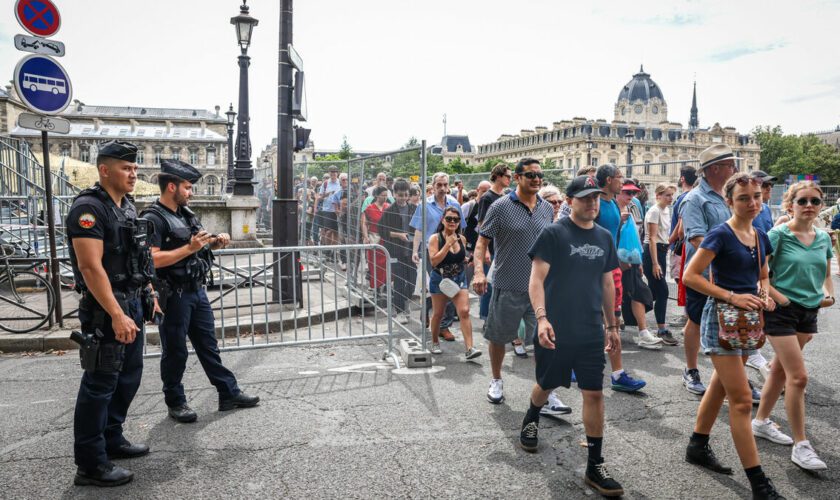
[647, 167]
[193, 157]
[647, 148]
[594, 162]
[176, 154]
[158, 154]
[211, 185]
[663, 169]
[141, 157]
[64, 152]
[612, 146]
[211, 156]
[84, 155]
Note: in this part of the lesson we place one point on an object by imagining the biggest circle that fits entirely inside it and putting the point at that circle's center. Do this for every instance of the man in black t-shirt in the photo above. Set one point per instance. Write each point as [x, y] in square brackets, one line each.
[573, 262]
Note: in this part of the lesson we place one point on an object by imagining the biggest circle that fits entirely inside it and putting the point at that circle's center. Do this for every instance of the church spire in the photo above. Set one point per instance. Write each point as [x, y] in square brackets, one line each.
[693, 123]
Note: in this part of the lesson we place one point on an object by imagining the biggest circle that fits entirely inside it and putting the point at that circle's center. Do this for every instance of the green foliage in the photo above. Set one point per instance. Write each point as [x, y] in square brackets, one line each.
[457, 166]
[345, 152]
[783, 155]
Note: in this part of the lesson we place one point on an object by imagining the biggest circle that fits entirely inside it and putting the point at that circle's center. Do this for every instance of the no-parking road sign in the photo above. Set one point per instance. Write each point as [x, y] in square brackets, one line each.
[39, 17]
[43, 84]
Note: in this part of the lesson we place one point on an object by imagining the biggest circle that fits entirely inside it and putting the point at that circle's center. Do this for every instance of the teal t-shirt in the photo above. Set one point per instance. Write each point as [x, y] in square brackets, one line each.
[799, 271]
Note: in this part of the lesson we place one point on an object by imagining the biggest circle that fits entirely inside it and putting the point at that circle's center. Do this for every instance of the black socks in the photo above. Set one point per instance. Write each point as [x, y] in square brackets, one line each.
[594, 446]
[533, 413]
[698, 439]
[755, 475]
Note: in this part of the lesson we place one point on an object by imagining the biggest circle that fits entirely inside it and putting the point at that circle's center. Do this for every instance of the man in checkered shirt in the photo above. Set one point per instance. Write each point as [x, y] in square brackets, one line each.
[513, 223]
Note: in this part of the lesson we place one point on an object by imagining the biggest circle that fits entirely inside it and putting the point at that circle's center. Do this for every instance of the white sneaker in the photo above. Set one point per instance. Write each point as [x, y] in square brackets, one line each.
[554, 406]
[401, 318]
[496, 392]
[803, 455]
[756, 361]
[647, 340]
[770, 431]
[436, 348]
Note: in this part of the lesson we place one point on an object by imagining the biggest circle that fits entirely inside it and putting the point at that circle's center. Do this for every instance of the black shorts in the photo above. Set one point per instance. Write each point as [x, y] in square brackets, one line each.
[554, 367]
[790, 319]
[328, 221]
[694, 304]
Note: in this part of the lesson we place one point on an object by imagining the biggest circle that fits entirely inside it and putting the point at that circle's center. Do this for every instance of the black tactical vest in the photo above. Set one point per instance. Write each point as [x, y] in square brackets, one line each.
[118, 242]
[177, 232]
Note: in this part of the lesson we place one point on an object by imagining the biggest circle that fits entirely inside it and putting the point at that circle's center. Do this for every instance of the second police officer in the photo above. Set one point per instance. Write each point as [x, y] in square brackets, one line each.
[181, 249]
[112, 268]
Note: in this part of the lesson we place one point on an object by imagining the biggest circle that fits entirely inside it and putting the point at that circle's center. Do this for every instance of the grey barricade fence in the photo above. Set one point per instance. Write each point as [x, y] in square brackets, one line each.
[332, 306]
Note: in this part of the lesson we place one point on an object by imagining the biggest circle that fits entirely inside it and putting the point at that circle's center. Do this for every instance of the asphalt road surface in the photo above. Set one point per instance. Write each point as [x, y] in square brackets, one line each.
[335, 422]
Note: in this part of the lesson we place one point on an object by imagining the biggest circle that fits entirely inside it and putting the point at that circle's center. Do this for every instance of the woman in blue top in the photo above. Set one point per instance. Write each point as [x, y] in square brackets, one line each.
[737, 253]
[801, 285]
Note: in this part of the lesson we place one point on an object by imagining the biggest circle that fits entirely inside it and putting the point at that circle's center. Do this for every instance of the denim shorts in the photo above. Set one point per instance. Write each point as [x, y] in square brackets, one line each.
[709, 329]
[435, 278]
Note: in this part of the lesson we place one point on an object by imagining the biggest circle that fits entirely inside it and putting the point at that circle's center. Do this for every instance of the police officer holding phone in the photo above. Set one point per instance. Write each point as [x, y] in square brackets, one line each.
[112, 268]
[182, 252]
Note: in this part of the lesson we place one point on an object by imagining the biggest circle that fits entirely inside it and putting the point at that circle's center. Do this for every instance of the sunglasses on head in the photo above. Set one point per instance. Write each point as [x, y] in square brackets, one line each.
[532, 175]
[804, 201]
[452, 219]
[743, 181]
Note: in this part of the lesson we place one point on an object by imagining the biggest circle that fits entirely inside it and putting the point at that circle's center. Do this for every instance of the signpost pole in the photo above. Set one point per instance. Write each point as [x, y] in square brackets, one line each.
[56, 282]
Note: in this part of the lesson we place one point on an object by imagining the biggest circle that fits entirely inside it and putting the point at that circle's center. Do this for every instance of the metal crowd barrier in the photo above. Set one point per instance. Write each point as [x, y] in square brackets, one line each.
[326, 299]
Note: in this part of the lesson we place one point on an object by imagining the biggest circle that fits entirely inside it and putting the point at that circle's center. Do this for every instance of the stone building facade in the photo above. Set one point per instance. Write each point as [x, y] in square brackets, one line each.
[659, 147]
[830, 137]
[196, 136]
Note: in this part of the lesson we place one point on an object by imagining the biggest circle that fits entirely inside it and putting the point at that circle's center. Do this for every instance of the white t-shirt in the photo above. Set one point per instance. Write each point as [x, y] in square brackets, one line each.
[662, 218]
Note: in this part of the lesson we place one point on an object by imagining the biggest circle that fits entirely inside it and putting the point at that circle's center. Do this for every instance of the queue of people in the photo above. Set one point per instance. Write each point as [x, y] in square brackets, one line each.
[716, 238]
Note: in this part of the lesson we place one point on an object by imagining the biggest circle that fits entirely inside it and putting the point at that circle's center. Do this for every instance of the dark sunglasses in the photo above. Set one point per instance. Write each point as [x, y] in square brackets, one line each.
[452, 219]
[804, 201]
[532, 175]
[554, 202]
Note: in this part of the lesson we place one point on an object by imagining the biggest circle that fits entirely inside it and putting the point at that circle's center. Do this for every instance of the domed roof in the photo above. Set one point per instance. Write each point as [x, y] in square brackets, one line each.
[640, 87]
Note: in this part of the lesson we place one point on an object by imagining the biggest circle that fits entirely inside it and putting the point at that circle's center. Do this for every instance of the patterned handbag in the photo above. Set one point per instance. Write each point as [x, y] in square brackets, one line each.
[740, 328]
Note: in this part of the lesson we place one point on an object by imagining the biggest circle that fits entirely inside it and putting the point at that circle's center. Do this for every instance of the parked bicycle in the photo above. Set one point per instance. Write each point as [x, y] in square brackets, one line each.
[26, 297]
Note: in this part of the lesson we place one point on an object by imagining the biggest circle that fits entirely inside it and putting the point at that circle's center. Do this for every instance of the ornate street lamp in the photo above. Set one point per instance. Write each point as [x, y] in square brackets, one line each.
[589, 146]
[629, 139]
[231, 119]
[243, 174]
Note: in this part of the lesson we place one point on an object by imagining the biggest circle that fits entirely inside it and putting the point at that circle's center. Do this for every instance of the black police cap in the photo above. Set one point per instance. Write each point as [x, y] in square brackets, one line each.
[120, 150]
[180, 169]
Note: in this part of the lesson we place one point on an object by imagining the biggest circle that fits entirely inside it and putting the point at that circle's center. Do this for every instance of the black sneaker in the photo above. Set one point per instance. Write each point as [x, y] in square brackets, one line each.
[766, 491]
[705, 457]
[600, 480]
[528, 439]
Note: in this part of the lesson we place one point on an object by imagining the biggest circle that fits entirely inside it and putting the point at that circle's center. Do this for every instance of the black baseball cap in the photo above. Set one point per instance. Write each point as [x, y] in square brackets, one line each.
[764, 176]
[582, 186]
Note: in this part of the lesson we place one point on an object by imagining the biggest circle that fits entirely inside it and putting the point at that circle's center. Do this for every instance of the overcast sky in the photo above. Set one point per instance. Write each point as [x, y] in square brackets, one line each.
[381, 71]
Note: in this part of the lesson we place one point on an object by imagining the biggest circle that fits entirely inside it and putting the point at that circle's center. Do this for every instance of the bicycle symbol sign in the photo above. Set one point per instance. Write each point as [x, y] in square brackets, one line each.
[43, 84]
[39, 17]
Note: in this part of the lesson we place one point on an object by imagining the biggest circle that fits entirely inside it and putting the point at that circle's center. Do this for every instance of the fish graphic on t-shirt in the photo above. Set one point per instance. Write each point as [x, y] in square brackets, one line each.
[591, 252]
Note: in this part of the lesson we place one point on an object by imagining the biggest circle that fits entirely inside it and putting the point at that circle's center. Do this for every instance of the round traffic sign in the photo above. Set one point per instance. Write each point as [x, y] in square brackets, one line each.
[43, 84]
[39, 17]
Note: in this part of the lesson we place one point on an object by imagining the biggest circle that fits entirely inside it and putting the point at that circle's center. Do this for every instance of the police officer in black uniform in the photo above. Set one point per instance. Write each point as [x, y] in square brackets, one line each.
[182, 254]
[112, 266]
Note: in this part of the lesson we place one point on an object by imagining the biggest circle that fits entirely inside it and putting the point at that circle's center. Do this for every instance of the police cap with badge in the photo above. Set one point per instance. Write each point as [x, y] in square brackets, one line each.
[120, 150]
[180, 169]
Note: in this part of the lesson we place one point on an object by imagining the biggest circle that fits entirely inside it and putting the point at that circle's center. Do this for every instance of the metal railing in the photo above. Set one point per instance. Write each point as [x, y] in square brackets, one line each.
[246, 316]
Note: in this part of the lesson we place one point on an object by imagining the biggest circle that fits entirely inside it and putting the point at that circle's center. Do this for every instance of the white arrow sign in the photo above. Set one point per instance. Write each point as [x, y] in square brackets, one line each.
[38, 45]
[47, 123]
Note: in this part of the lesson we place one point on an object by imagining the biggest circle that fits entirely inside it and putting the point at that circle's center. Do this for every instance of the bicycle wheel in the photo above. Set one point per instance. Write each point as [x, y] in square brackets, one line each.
[26, 301]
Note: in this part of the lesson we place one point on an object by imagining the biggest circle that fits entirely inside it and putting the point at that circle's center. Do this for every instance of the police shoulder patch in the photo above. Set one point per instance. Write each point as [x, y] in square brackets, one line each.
[87, 220]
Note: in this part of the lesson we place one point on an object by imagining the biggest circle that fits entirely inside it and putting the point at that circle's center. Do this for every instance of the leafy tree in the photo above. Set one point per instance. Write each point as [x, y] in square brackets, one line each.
[457, 166]
[783, 155]
[345, 152]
